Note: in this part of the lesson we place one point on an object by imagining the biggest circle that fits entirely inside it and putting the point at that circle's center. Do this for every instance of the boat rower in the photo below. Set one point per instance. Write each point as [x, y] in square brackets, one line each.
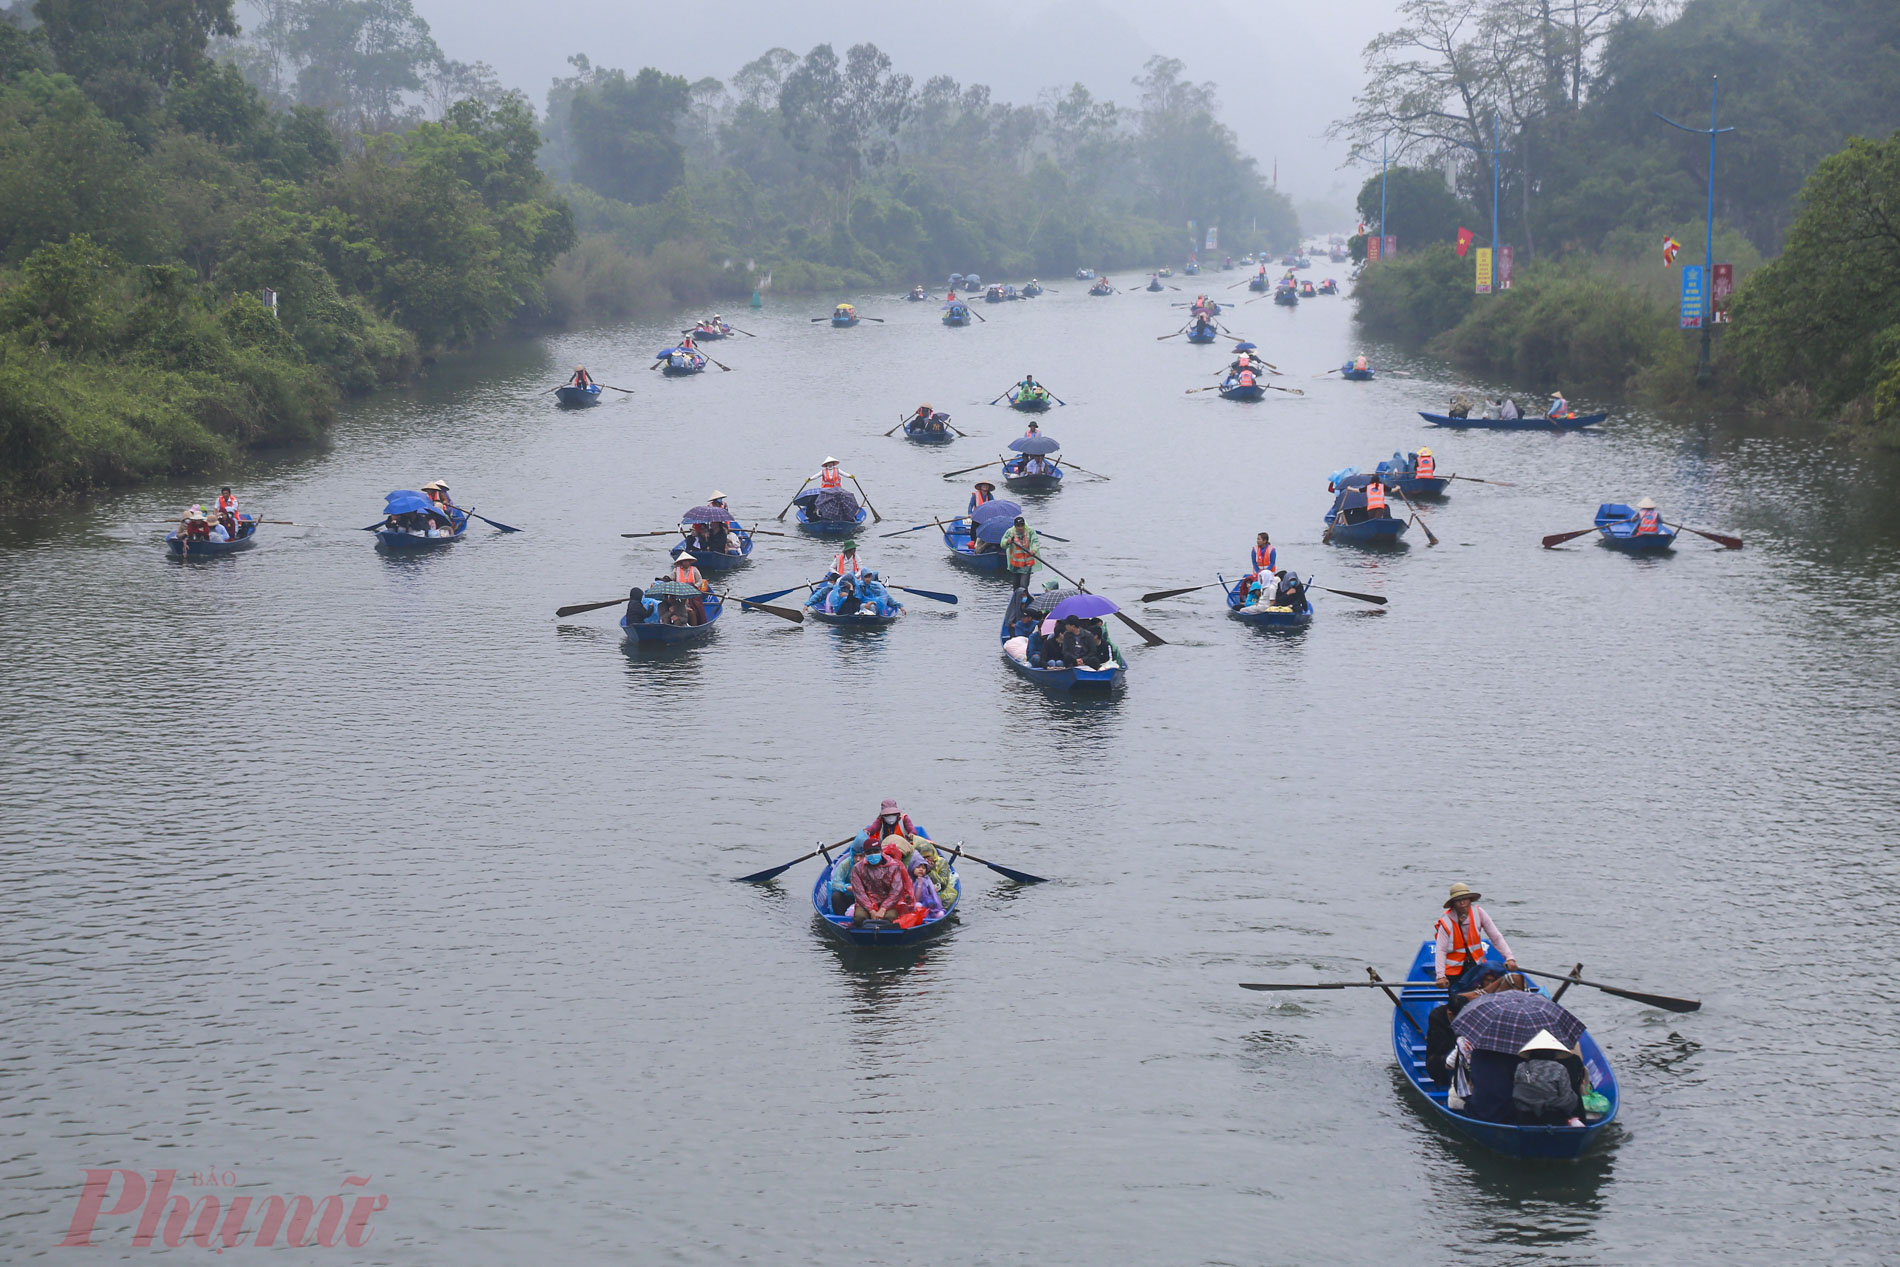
[829, 476]
[984, 494]
[1648, 518]
[1424, 465]
[1376, 507]
[581, 377]
[1020, 546]
[438, 493]
[1460, 936]
[227, 503]
[846, 563]
[1559, 407]
[1265, 558]
[1360, 364]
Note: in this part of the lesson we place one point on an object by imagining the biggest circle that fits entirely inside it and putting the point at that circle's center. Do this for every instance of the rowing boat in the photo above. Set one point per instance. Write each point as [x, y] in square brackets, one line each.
[844, 315]
[956, 314]
[919, 429]
[1418, 995]
[1231, 390]
[1617, 525]
[1203, 334]
[651, 630]
[1258, 282]
[1537, 423]
[1048, 481]
[572, 396]
[1382, 531]
[1101, 288]
[831, 527]
[1265, 617]
[1286, 297]
[958, 540]
[1030, 402]
[1068, 677]
[204, 548]
[392, 539]
[720, 560]
[678, 362]
[883, 614]
[882, 935]
[1352, 375]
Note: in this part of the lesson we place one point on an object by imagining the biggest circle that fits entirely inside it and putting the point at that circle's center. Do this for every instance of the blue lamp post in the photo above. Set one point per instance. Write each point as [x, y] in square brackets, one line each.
[1495, 152]
[1702, 372]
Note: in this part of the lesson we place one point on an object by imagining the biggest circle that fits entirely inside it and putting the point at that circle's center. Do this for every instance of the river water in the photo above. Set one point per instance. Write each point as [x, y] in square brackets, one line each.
[320, 863]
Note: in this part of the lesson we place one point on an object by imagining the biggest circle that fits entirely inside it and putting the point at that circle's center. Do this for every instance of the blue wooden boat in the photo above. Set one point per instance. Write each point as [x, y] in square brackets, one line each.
[1013, 477]
[1203, 334]
[682, 361]
[1329, 287]
[246, 539]
[1154, 286]
[1028, 403]
[1033, 289]
[1066, 678]
[573, 397]
[1101, 288]
[719, 560]
[831, 527]
[917, 294]
[651, 630]
[1265, 617]
[1192, 270]
[916, 428]
[1258, 283]
[392, 540]
[1286, 297]
[994, 294]
[1352, 375]
[884, 936]
[956, 314]
[1085, 274]
[1417, 997]
[1234, 390]
[1616, 523]
[860, 619]
[704, 331]
[1367, 531]
[1536, 422]
[962, 546]
[844, 315]
[1418, 486]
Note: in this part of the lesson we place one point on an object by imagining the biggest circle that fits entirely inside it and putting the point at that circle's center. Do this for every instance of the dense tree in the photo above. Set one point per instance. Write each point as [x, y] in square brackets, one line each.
[1420, 208]
[623, 133]
[126, 53]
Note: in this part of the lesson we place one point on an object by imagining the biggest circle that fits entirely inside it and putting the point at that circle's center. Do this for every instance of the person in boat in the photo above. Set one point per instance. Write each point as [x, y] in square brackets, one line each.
[1548, 1084]
[1648, 518]
[1460, 406]
[1459, 935]
[1447, 1057]
[829, 476]
[1020, 546]
[1360, 364]
[1559, 407]
[1508, 410]
[843, 598]
[581, 377]
[1288, 591]
[1081, 647]
[1264, 556]
[923, 886]
[686, 573]
[846, 563]
[984, 493]
[1423, 465]
[227, 503]
[1036, 464]
[1243, 378]
[890, 820]
[225, 527]
[195, 526]
[880, 888]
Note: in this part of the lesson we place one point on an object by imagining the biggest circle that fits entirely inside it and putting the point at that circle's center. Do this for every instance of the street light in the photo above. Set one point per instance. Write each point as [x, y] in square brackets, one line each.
[1702, 373]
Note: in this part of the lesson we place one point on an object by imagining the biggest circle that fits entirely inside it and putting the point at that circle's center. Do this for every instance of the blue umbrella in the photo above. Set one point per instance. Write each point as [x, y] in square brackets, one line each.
[993, 531]
[1246, 347]
[707, 515]
[1505, 1021]
[405, 501]
[1034, 444]
[1085, 606]
[997, 509]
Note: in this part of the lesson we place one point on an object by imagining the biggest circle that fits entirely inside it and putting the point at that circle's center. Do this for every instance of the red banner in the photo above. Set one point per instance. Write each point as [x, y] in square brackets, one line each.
[1722, 291]
[1465, 239]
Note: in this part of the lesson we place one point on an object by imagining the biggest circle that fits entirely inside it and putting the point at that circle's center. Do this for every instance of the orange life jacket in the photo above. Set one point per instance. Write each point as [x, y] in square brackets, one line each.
[1648, 520]
[1426, 465]
[1264, 558]
[1466, 946]
[1246, 378]
[227, 505]
[1021, 557]
[847, 565]
[1375, 496]
[831, 477]
[685, 573]
[982, 497]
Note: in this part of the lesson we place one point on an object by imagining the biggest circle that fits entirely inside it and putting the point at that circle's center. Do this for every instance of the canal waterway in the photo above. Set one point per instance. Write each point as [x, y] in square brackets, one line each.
[320, 863]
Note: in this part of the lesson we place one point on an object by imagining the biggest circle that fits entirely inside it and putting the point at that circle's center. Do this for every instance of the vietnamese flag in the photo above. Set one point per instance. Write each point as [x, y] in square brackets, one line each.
[1465, 238]
[1670, 247]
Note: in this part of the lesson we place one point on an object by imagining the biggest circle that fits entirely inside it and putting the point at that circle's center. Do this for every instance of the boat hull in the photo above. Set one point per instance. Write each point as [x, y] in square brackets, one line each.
[1420, 485]
[1515, 424]
[831, 527]
[839, 927]
[1616, 528]
[1198, 336]
[408, 541]
[840, 323]
[1034, 405]
[571, 397]
[1266, 617]
[654, 633]
[681, 371]
[1369, 532]
[1255, 392]
[958, 543]
[246, 540]
[1417, 997]
[1064, 680]
[1356, 376]
[922, 436]
[719, 560]
[1014, 479]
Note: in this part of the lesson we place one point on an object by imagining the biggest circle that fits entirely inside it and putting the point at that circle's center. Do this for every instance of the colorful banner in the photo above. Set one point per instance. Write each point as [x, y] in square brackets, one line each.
[1372, 247]
[1465, 238]
[1484, 270]
[1391, 247]
[1213, 237]
[1670, 247]
[1721, 292]
[1692, 296]
[1506, 265]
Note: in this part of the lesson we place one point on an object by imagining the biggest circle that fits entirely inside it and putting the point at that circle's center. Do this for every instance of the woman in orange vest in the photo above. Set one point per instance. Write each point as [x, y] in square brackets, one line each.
[985, 493]
[1427, 467]
[1460, 933]
[829, 476]
[686, 574]
[1266, 559]
[1648, 518]
[1375, 500]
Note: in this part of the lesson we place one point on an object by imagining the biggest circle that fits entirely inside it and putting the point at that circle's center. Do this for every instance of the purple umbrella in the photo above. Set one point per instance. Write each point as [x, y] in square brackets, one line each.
[1034, 444]
[1086, 606]
[997, 509]
[1505, 1021]
[707, 515]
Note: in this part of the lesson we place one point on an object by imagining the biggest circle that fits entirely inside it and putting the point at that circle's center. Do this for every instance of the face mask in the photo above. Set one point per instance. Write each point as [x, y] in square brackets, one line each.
[875, 859]
[890, 819]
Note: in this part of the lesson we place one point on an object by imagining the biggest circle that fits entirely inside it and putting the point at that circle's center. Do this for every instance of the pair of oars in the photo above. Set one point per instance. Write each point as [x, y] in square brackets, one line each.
[913, 417]
[1722, 539]
[609, 386]
[1376, 599]
[669, 532]
[735, 329]
[1668, 1003]
[1006, 391]
[1008, 873]
[930, 594]
[961, 519]
[1148, 636]
[1272, 387]
[861, 317]
[378, 527]
[1062, 462]
[783, 613]
[875, 517]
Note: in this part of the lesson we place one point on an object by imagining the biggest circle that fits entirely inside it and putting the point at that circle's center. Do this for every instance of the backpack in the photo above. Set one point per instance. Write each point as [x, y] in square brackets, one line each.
[1540, 1089]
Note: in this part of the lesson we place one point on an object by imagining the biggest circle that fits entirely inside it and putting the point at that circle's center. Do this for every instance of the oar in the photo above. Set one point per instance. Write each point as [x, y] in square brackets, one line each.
[747, 333]
[1073, 467]
[757, 599]
[1405, 1015]
[900, 422]
[875, 517]
[720, 364]
[783, 613]
[1472, 479]
[1332, 371]
[953, 426]
[1060, 401]
[1732, 543]
[901, 531]
[1332, 985]
[1379, 599]
[578, 608]
[1006, 391]
[1664, 1001]
[1008, 873]
[1558, 538]
[979, 316]
[1216, 387]
[1275, 387]
[942, 598]
[491, 523]
[1177, 334]
[1147, 636]
[1158, 595]
[794, 501]
[760, 877]
[879, 320]
[950, 475]
[610, 387]
[1430, 537]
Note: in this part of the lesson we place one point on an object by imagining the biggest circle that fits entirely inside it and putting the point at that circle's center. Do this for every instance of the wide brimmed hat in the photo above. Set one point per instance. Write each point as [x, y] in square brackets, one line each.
[436, 484]
[1543, 1041]
[1648, 503]
[829, 462]
[849, 546]
[986, 484]
[1462, 890]
[888, 807]
[715, 495]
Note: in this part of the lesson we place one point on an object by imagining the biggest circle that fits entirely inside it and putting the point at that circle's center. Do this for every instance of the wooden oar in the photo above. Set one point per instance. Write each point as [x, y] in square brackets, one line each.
[1216, 387]
[491, 523]
[1177, 334]
[1332, 985]
[757, 599]
[1430, 537]
[1472, 479]
[1558, 538]
[610, 387]
[1158, 595]
[663, 532]
[1666, 1002]
[783, 613]
[1275, 387]
[1732, 543]
[1332, 371]
[942, 598]
[879, 320]
[900, 422]
[1083, 469]
[577, 608]
[726, 368]
[1060, 401]
[760, 877]
[979, 316]
[875, 517]
[747, 333]
[1378, 599]
[1147, 636]
[901, 531]
[1557, 995]
[793, 502]
[1010, 873]
[1405, 1015]
[950, 475]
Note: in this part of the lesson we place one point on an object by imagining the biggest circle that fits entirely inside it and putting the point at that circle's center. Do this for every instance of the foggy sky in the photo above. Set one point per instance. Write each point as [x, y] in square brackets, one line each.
[1284, 71]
